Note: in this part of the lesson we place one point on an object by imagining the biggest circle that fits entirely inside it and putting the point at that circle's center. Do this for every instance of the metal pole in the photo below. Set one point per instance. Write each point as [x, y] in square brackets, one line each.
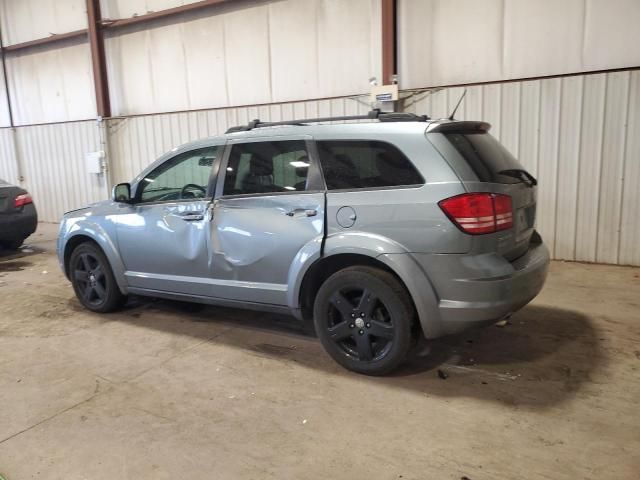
[96, 42]
[388, 41]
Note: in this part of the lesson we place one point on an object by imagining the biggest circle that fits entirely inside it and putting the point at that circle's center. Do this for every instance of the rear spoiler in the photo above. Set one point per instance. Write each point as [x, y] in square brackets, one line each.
[459, 127]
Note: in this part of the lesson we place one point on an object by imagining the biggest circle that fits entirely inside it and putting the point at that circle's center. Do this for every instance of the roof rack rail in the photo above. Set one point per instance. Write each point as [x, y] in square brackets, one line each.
[375, 114]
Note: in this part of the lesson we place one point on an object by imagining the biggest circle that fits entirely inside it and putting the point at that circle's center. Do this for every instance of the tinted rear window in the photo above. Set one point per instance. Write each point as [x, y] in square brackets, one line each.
[485, 155]
[365, 164]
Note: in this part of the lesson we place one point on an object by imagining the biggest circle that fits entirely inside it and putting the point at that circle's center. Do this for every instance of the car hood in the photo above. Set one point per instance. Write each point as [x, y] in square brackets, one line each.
[97, 208]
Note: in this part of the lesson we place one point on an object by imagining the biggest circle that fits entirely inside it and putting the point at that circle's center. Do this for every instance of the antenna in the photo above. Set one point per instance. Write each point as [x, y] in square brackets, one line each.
[458, 104]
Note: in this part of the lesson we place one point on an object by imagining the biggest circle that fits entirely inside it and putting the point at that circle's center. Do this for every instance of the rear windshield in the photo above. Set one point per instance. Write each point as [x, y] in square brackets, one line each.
[485, 155]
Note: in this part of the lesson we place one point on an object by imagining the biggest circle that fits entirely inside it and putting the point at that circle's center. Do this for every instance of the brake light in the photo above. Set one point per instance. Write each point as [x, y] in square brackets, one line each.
[478, 213]
[22, 200]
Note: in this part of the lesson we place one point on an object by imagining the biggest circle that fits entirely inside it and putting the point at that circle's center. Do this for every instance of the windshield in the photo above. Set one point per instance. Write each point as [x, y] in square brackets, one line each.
[486, 156]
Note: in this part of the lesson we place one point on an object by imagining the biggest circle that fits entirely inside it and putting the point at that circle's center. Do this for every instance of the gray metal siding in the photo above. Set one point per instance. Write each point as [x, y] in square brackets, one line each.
[579, 135]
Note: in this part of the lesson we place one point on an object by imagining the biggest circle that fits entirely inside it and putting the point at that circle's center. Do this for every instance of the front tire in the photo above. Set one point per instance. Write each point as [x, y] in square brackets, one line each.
[93, 280]
[363, 317]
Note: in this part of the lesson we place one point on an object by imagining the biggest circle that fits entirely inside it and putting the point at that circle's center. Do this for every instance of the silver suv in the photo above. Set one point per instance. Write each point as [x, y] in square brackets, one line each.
[378, 232]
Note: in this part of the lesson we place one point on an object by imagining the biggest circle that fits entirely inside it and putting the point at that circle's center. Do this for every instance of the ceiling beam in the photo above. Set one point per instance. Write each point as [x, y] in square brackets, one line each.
[46, 40]
[169, 12]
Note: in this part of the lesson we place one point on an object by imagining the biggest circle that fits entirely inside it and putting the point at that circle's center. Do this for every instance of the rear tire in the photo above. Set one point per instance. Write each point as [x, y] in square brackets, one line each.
[363, 317]
[93, 280]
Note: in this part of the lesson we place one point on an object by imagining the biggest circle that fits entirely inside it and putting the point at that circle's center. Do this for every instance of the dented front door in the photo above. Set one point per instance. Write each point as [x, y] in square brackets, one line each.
[163, 235]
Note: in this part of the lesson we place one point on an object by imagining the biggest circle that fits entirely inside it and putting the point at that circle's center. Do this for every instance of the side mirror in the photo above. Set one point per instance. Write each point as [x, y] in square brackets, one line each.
[121, 193]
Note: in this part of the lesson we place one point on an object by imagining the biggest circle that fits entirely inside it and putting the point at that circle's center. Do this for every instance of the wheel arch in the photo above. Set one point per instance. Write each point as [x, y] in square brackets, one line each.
[107, 248]
[388, 256]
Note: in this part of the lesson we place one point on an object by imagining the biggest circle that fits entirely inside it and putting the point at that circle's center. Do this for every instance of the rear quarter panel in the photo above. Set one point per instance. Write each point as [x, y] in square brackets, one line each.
[407, 216]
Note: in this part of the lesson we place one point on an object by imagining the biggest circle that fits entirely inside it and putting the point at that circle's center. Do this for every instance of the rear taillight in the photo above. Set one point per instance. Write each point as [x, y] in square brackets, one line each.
[478, 213]
[22, 200]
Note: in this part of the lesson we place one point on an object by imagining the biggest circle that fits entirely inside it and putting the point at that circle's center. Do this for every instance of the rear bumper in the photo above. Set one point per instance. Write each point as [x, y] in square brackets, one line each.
[475, 290]
[19, 225]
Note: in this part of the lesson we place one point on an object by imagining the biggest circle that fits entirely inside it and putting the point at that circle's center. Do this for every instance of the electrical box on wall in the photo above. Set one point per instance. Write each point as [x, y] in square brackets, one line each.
[384, 97]
[384, 93]
[95, 162]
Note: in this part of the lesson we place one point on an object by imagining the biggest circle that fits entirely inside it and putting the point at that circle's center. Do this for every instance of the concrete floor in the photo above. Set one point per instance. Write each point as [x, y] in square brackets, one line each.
[163, 390]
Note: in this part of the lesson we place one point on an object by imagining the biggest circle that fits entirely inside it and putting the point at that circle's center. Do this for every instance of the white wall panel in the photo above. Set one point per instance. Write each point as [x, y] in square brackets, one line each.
[568, 164]
[247, 52]
[448, 42]
[612, 170]
[24, 20]
[611, 33]
[580, 137]
[53, 166]
[8, 162]
[542, 37]
[4, 105]
[51, 84]
[591, 138]
[629, 251]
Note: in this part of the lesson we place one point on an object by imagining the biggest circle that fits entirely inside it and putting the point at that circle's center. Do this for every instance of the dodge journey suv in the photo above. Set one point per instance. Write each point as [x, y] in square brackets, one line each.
[378, 232]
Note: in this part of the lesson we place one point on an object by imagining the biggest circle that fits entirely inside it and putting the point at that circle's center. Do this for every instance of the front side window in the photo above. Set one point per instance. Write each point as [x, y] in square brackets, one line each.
[267, 167]
[183, 177]
[365, 164]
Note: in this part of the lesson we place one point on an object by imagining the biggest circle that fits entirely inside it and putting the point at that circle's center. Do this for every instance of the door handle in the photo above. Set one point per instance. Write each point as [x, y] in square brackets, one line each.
[191, 216]
[308, 212]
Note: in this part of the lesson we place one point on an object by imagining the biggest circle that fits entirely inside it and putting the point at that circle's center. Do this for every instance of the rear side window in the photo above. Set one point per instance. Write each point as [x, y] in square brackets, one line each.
[267, 167]
[365, 164]
[485, 155]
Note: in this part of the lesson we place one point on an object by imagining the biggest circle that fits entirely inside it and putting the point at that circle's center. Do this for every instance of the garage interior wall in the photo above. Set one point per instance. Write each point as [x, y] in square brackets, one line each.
[580, 135]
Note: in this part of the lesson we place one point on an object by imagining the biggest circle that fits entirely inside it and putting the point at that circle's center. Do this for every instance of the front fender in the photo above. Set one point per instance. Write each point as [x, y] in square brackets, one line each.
[84, 226]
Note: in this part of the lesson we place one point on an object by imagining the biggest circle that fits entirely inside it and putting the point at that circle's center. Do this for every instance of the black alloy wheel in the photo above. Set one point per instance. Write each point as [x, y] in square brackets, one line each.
[90, 278]
[363, 317]
[93, 280]
[360, 324]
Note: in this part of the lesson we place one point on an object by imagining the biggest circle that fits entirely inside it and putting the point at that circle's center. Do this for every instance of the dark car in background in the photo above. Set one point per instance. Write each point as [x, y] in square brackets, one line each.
[18, 216]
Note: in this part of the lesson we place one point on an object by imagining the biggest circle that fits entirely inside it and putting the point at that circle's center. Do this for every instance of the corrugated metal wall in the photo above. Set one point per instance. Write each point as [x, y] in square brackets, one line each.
[137, 141]
[579, 135]
[8, 157]
[52, 162]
